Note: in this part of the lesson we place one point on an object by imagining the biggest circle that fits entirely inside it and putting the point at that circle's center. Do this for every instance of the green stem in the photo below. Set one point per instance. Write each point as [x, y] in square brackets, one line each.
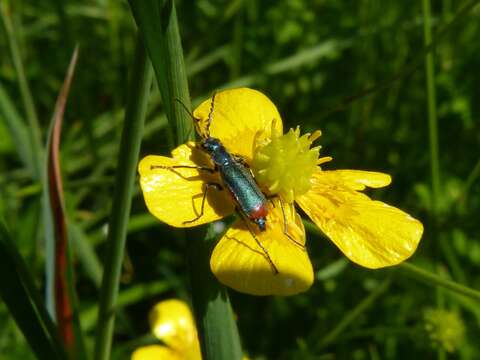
[218, 331]
[435, 280]
[216, 326]
[36, 153]
[25, 93]
[157, 21]
[355, 313]
[432, 110]
[20, 295]
[432, 137]
[472, 177]
[124, 179]
[466, 7]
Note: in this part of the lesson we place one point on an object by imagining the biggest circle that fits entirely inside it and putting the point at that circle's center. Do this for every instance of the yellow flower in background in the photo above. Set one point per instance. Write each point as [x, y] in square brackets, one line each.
[171, 322]
[370, 233]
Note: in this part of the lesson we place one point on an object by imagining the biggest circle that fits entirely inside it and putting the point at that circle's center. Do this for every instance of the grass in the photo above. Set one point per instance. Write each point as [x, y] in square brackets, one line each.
[394, 88]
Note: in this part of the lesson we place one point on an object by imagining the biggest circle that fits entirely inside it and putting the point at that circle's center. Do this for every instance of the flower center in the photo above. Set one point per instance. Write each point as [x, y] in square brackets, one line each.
[286, 163]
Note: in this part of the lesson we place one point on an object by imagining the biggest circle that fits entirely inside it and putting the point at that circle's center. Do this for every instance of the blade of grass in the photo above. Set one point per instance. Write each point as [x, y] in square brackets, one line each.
[86, 253]
[158, 25]
[131, 295]
[290, 63]
[18, 291]
[353, 314]
[432, 138]
[141, 79]
[35, 139]
[218, 331]
[425, 276]
[434, 280]
[436, 184]
[410, 68]
[472, 177]
[431, 109]
[65, 32]
[17, 129]
[26, 95]
[66, 313]
[198, 65]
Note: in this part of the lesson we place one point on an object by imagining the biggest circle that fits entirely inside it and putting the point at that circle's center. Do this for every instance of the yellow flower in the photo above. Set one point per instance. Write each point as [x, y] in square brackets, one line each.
[370, 233]
[171, 322]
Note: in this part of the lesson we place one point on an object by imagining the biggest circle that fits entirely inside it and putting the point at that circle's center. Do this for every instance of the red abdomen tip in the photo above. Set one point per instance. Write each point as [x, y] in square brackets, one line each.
[259, 212]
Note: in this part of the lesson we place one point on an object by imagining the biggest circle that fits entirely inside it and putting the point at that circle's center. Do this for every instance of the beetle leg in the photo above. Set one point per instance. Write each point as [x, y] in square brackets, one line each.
[265, 252]
[202, 168]
[285, 227]
[207, 186]
[240, 159]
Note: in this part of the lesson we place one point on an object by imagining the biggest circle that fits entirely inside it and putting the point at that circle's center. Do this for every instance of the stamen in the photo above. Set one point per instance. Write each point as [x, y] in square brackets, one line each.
[315, 135]
[324, 160]
[274, 186]
[286, 164]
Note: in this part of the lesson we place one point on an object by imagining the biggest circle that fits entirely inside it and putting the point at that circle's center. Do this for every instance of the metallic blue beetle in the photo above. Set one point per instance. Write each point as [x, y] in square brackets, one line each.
[250, 202]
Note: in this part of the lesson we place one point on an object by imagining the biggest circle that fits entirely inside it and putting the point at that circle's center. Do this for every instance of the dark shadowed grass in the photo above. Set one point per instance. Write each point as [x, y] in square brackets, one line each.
[24, 302]
[141, 81]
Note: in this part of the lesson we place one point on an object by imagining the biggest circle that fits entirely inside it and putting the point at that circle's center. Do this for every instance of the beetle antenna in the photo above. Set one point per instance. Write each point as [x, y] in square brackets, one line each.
[210, 114]
[186, 109]
[195, 120]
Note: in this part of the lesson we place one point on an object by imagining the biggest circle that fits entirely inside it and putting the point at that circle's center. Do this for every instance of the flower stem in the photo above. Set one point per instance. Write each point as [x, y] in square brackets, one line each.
[140, 84]
[355, 312]
[432, 110]
[218, 332]
[435, 280]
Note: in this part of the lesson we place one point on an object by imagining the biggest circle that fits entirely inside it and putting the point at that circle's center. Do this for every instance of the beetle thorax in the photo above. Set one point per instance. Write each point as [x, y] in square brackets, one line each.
[217, 151]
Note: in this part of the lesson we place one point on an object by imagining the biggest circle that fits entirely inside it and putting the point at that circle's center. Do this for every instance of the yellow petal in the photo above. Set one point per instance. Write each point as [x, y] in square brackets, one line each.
[370, 233]
[175, 195]
[239, 119]
[172, 322]
[355, 179]
[240, 263]
[155, 352]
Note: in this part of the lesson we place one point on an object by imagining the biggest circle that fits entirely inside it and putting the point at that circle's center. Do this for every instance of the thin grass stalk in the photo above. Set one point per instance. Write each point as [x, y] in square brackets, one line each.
[431, 110]
[25, 93]
[433, 141]
[64, 283]
[434, 280]
[472, 177]
[64, 21]
[353, 314]
[139, 89]
[37, 153]
[435, 174]
[158, 24]
[19, 294]
[410, 68]
[128, 296]
[18, 130]
[422, 275]
[218, 333]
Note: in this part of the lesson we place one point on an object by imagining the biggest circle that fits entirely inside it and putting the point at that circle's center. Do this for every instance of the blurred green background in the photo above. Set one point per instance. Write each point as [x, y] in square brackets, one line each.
[312, 58]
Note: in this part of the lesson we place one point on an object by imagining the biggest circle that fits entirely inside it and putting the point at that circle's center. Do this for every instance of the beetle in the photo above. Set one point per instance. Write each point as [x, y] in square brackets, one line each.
[238, 180]
[250, 202]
